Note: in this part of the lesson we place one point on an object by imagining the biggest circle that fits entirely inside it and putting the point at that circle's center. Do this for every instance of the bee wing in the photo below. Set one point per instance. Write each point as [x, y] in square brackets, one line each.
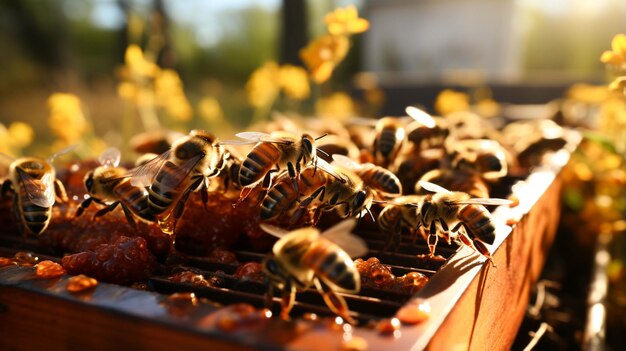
[61, 153]
[433, 187]
[485, 201]
[143, 176]
[328, 168]
[345, 161]
[39, 191]
[420, 116]
[110, 157]
[256, 137]
[274, 230]
[341, 235]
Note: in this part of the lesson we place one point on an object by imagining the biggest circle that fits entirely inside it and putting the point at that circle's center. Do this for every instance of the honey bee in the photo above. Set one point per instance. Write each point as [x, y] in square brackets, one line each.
[486, 157]
[344, 192]
[106, 185]
[388, 140]
[282, 196]
[32, 182]
[400, 217]
[173, 175]
[375, 177]
[304, 257]
[390, 134]
[279, 149]
[456, 210]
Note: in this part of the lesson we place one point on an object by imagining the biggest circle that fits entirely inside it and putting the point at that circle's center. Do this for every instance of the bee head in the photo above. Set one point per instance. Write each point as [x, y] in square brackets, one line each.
[360, 200]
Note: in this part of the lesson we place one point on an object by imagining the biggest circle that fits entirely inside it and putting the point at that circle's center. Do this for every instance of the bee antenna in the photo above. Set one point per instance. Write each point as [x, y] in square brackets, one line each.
[321, 136]
[322, 152]
[371, 215]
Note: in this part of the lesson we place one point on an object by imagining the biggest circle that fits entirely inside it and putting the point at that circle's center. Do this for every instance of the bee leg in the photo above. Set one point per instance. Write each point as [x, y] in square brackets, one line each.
[106, 210]
[433, 238]
[265, 185]
[83, 206]
[336, 303]
[292, 175]
[446, 231]
[319, 192]
[129, 217]
[177, 212]
[59, 190]
[204, 192]
[287, 299]
[243, 195]
[478, 245]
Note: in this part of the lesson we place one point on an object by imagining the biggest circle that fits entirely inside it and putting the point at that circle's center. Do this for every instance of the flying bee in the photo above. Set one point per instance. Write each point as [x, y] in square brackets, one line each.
[458, 210]
[279, 149]
[375, 177]
[398, 217]
[486, 157]
[282, 196]
[304, 257]
[35, 188]
[173, 175]
[106, 185]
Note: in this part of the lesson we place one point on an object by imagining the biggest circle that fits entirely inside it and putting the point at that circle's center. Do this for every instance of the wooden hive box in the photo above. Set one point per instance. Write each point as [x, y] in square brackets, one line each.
[473, 305]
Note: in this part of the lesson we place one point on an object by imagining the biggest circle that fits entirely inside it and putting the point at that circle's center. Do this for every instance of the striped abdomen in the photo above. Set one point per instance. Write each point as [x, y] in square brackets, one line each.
[136, 199]
[332, 265]
[35, 218]
[165, 188]
[381, 179]
[282, 196]
[259, 161]
[479, 221]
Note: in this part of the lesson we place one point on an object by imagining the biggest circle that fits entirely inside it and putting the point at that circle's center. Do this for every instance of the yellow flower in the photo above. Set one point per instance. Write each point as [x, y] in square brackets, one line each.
[617, 56]
[338, 105]
[294, 82]
[137, 64]
[449, 101]
[345, 21]
[262, 87]
[169, 94]
[487, 108]
[20, 134]
[66, 117]
[322, 55]
[619, 85]
[210, 109]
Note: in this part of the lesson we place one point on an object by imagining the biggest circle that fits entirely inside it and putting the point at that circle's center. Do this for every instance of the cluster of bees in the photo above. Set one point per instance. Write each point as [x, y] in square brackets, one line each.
[396, 170]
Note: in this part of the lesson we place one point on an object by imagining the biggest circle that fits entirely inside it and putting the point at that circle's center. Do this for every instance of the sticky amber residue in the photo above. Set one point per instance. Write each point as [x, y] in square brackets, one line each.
[81, 283]
[48, 269]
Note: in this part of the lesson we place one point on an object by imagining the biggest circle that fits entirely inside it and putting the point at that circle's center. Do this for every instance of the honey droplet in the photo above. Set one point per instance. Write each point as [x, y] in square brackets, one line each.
[355, 343]
[6, 262]
[416, 311]
[48, 269]
[81, 283]
[389, 326]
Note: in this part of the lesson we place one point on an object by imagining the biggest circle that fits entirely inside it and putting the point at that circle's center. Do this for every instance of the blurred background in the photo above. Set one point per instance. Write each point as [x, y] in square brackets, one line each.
[525, 51]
